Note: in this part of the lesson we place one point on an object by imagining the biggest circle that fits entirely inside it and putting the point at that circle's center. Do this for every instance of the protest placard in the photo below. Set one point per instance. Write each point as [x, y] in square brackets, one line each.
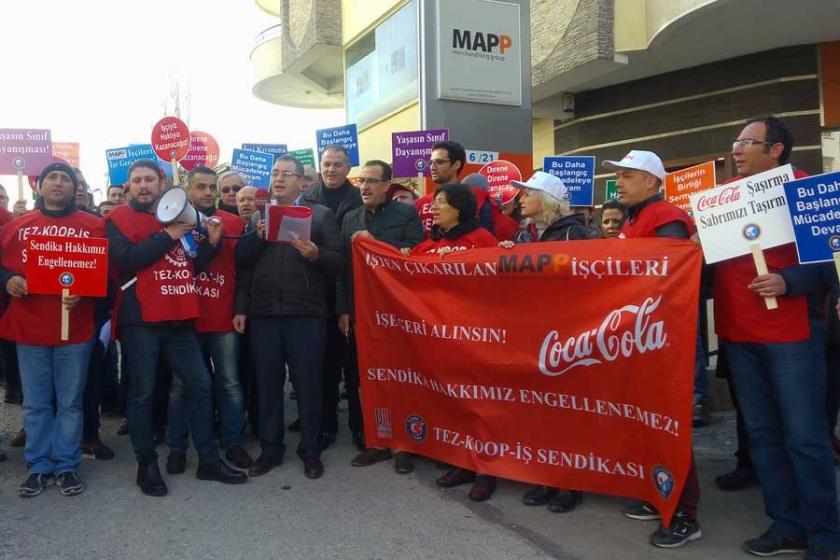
[120, 160]
[732, 217]
[171, 142]
[305, 156]
[204, 150]
[814, 204]
[68, 151]
[410, 151]
[24, 151]
[276, 149]
[611, 190]
[255, 167]
[499, 174]
[67, 266]
[680, 185]
[745, 217]
[344, 136]
[577, 173]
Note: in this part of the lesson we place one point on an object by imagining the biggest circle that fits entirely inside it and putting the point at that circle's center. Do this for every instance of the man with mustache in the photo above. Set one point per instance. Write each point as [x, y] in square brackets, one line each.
[154, 316]
[285, 306]
[53, 371]
[399, 225]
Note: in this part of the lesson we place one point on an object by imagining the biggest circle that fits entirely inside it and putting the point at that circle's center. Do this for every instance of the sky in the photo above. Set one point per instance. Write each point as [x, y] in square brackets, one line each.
[99, 72]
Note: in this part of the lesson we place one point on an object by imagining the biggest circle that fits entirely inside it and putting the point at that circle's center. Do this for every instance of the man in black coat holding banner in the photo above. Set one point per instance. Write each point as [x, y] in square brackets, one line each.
[398, 225]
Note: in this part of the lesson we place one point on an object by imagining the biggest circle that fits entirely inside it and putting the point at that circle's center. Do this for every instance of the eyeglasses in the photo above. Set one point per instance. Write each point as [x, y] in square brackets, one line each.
[744, 142]
[371, 180]
[234, 188]
[284, 174]
[439, 162]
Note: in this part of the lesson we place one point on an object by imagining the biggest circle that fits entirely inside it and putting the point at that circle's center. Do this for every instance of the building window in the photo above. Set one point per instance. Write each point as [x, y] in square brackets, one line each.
[381, 69]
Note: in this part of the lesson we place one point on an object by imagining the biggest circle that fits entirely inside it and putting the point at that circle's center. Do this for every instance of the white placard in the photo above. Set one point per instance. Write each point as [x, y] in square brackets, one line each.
[479, 51]
[754, 209]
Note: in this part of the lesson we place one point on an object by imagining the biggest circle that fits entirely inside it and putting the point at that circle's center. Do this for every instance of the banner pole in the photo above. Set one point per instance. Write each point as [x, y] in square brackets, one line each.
[761, 268]
[20, 184]
[175, 176]
[65, 316]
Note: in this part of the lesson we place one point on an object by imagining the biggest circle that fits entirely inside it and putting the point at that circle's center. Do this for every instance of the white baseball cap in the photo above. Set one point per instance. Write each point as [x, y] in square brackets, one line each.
[642, 160]
[546, 182]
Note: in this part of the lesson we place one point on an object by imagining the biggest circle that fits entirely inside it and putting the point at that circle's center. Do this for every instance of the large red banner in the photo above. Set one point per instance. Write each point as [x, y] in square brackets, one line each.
[564, 364]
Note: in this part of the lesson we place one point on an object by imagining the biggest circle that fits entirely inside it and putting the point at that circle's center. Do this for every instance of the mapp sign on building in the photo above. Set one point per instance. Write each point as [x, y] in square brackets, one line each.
[478, 57]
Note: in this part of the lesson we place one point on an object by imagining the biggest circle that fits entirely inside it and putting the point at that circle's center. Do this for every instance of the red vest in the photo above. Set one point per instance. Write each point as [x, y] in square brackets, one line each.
[505, 227]
[166, 289]
[423, 205]
[653, 216]
[36, 319]
[476, 239]
[740, 313]
[424, 208]
[217, 285]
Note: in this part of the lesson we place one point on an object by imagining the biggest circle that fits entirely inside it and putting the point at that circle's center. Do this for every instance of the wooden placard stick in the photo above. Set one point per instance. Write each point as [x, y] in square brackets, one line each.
[761, 268]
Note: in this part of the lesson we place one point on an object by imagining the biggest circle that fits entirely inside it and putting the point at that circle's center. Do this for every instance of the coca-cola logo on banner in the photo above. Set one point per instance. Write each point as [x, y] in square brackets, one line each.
[623, 332]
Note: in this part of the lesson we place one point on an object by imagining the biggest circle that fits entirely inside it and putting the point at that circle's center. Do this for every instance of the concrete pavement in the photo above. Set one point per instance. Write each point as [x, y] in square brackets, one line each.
[361, 513]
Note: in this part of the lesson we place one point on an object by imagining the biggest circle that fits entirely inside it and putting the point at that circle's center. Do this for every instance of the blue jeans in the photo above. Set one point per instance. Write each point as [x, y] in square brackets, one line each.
[179, 347]
[299, 342]
[222, 349]
[781, 390]
[53, 433]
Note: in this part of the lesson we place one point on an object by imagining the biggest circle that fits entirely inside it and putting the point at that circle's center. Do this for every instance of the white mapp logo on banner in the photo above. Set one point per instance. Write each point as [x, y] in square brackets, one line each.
[608, 342]
[754, 209]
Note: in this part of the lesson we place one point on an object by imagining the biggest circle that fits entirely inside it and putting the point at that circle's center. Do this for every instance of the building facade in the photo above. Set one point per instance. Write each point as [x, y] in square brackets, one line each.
[678, 77]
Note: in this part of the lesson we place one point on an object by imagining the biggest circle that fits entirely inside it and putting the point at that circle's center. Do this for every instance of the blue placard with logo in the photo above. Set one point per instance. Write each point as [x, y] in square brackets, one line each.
[577, 173]
[255, 167]
[120, 160]
[814, 205]
[345, 136]
[276, 149]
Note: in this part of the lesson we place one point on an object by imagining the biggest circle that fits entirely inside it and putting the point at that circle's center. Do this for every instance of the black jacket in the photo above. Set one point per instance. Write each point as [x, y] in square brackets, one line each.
[352, 199]
[571, 228]
[278, 280]
[393, 223]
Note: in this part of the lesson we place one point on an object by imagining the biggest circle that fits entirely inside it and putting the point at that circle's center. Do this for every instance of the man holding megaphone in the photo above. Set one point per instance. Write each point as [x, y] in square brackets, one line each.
[155, 310]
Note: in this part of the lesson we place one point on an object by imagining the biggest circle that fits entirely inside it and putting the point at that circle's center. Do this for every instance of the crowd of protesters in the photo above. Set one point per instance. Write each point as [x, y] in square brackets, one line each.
[212, 362]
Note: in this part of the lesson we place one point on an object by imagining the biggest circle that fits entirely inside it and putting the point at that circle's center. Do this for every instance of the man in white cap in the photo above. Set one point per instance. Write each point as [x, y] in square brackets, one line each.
[640, 175]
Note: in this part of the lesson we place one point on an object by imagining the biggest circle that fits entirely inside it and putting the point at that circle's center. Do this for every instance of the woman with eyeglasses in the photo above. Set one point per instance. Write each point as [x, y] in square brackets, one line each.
[456, 228]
